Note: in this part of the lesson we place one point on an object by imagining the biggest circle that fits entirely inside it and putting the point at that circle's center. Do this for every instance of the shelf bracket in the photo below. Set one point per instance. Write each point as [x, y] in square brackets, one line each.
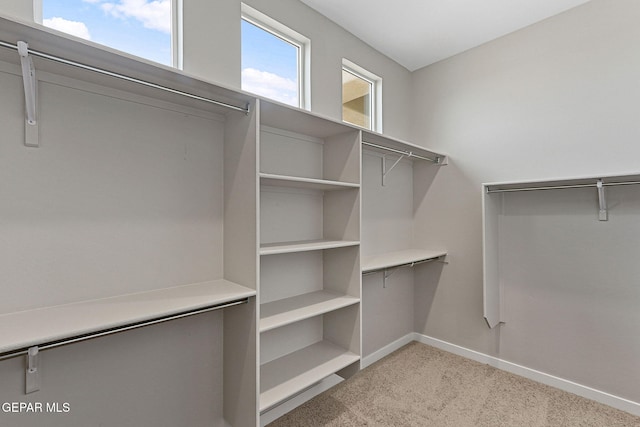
[602, 200]
[385, 171]
[30, 95]
[32, 374]
[386, 274]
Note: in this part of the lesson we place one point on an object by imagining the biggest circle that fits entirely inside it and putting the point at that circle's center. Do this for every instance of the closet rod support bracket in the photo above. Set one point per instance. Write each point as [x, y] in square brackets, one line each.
[30, 95]
[32, 373]
[602, 200]
[385, 171]
[386, 274]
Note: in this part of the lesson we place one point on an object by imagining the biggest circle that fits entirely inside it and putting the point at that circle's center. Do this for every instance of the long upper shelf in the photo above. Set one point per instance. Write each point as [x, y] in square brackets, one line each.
[121, 65]
[399, 258]
[45, 325]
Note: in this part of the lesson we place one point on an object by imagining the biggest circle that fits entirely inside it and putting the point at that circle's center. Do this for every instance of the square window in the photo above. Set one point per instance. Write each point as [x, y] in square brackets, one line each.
[273, 59]
[140, 27]
[361, 97]
[356, 99]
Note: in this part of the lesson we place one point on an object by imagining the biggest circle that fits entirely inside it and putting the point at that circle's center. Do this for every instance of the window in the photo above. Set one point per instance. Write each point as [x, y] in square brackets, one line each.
[361, 97]
[146, 28]
[274, 59]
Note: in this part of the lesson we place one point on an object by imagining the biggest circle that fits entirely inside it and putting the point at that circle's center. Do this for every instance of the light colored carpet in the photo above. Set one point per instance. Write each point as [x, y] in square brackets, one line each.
[419, 385]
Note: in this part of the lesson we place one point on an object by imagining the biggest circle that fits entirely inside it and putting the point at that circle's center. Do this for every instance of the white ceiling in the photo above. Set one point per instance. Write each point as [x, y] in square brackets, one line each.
[416, 33]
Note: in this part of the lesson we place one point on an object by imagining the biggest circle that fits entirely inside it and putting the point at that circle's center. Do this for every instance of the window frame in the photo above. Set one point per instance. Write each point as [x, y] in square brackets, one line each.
[176, 35]
[375, 101]
[301, 42]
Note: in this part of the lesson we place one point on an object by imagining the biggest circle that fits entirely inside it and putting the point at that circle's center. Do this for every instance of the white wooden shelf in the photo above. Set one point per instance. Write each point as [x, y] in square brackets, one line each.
[44, 325]
[285, 117]
[309, 183]
[289, 310]
[290, 374]
[303, 246]
[383, 143]
[399, 258]
[101, 57]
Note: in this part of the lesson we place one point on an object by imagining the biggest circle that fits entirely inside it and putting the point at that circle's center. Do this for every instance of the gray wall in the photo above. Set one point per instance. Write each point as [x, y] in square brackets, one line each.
[557, 99]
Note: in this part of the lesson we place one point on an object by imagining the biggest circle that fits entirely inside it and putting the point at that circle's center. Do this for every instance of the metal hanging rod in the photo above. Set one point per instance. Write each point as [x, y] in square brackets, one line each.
[406, 264]
[388, 271]
[245, 110]
[111, 331]
[560, 187]
[437, 160]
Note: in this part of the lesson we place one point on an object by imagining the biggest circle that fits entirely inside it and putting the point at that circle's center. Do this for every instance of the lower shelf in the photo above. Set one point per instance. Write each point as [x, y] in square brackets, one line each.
[45, 325]
[291, 374]
[399, 258]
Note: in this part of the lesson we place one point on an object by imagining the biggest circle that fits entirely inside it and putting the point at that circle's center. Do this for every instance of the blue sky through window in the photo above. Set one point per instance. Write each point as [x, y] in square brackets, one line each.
[269, 65]
[139, 27]
[143, 28]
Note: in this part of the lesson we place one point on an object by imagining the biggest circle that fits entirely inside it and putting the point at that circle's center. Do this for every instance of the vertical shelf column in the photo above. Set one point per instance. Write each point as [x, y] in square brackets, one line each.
[310, 282]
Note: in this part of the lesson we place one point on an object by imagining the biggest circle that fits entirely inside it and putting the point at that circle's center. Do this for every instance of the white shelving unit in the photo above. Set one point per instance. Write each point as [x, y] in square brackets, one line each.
[395, 176]
[257, 202]
[309, 251]
[110, 233]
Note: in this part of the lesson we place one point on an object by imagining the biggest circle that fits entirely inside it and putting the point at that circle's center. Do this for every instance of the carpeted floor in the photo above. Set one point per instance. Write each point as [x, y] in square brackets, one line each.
[419, 385]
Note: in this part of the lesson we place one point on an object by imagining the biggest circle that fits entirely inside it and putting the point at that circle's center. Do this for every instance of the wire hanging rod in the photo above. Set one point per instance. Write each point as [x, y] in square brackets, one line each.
[559, 187]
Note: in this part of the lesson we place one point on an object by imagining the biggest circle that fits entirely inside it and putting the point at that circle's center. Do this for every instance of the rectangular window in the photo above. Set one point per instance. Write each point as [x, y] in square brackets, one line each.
[145, 28]
[274, 59]
[361, 97]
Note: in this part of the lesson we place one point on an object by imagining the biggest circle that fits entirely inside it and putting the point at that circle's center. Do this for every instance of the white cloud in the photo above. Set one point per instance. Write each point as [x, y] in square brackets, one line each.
[155, 14]
[270, 85]
[75, 28]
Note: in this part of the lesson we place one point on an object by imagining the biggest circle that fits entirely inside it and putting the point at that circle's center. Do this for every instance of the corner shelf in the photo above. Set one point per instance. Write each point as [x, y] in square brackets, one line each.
[28, 328]
[387, 260]
[289, 310]
[288, 375]
[304, 246]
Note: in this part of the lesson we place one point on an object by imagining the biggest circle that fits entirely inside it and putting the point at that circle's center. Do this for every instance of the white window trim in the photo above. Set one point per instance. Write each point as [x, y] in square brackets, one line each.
[176, 29]
[376, 92]
[303, 44]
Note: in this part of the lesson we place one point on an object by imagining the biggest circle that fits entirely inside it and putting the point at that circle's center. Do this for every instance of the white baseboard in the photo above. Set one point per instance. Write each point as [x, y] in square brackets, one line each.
[386, 350]
[550, 380]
